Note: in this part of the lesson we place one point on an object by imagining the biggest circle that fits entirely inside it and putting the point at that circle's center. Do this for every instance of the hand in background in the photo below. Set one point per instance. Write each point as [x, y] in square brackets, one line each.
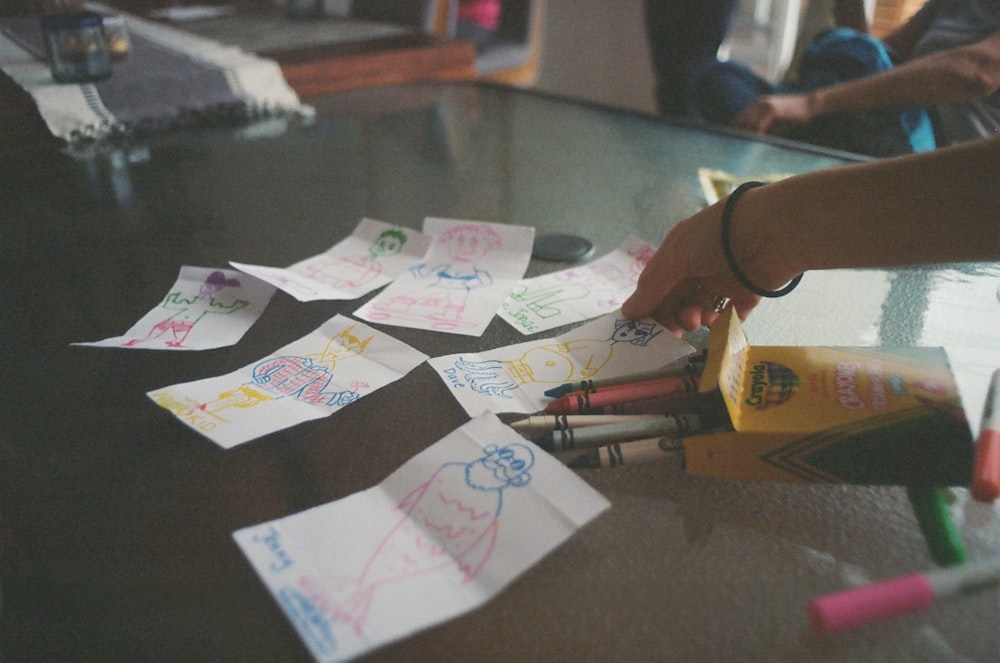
[776, 113]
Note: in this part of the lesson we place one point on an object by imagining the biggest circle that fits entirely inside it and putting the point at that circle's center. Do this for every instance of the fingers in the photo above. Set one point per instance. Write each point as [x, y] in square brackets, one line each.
[655, 285]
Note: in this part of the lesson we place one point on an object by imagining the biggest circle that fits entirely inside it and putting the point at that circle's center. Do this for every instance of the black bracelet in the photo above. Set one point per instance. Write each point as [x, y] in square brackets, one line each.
[727, 213]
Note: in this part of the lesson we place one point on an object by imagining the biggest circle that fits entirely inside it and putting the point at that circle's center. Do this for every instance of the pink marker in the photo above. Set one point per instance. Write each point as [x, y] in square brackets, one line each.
[986, 471]
[910, 593]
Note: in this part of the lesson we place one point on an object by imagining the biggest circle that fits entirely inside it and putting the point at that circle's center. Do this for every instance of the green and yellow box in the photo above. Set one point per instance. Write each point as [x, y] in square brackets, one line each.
[857, 415]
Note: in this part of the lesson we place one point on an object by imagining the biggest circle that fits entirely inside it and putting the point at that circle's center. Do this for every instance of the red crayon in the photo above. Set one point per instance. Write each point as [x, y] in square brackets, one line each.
[986, 472]
[583, 401]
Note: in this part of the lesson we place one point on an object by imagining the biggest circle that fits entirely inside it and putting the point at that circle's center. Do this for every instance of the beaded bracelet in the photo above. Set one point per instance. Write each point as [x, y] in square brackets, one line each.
[727, 213]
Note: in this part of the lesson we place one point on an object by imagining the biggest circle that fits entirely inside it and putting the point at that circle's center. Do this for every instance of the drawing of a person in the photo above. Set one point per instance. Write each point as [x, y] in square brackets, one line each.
[555, 363]
[306, 378]
[190, 310]
[444, 299]
[303, 378]
[355, 271]
[448, 523]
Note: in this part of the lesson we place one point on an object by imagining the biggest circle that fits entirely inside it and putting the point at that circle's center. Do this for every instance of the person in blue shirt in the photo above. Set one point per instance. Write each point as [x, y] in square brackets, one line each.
[945, 59]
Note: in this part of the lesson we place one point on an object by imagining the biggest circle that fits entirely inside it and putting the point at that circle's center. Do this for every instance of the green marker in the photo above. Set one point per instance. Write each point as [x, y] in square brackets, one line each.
[931, 510]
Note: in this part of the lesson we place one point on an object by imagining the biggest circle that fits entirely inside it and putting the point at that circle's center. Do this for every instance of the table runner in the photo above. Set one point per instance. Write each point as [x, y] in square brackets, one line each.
[170, 78]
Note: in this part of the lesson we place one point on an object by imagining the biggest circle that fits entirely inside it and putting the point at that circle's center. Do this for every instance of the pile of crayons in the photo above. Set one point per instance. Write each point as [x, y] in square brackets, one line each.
[634, 419]
[644, 417]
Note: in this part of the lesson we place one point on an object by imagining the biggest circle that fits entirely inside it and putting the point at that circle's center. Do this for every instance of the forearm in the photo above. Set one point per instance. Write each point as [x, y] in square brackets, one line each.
[923, 209]
[952, 76]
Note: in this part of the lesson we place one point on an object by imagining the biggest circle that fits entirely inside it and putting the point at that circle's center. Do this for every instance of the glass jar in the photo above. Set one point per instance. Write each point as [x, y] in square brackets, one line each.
[116, 32]
[77, 48]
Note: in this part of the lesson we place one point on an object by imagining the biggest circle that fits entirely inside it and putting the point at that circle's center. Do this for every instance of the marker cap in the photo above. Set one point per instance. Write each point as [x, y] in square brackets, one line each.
[986, 478]
[864, 605]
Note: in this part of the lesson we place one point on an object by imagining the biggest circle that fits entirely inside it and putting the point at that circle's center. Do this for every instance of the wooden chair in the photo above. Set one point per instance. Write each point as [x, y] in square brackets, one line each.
[433, 17]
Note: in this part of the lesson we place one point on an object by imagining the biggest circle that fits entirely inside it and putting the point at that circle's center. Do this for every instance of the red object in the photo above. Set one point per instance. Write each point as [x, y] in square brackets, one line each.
[582, 402]
[484, 13]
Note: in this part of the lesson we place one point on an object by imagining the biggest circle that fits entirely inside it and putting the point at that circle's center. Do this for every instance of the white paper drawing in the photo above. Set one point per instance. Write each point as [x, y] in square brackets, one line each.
[440, 536]
[310, 378]
[469, 270]
[577, 293]
[206, 308]
[372, 256]
[514, 378]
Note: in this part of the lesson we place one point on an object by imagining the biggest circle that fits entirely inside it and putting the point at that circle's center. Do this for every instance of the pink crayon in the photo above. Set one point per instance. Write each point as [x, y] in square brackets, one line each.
[906, 594]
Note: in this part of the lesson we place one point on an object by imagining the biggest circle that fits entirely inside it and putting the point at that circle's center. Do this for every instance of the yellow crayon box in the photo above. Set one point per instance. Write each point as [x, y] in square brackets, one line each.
[858, 415]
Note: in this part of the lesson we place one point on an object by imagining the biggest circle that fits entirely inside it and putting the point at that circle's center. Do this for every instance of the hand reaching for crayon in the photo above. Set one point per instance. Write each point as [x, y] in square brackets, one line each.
[679, 283]
[705, 264]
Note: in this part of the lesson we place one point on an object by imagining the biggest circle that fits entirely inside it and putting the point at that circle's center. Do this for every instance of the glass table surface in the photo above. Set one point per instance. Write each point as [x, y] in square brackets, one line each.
[116, 520]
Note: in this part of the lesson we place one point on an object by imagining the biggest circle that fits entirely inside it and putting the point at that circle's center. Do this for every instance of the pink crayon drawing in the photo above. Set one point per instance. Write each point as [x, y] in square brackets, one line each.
[444, 288]
[191, 309]
[448, 525]
[356, 271]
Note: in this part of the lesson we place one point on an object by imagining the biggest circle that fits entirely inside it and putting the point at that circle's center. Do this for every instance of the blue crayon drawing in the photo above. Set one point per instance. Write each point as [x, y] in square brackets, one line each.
[312, 624]
[304, 378]
[552, 363]
[449, 524]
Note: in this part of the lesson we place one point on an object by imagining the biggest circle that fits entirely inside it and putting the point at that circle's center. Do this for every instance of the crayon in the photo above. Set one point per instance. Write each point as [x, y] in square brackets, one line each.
[986, 470]
[594, 436]
[534, 425]
[691, 365]
[580, 402]
[679, 403]
[935, 522]
[654, 449]
[905, 594]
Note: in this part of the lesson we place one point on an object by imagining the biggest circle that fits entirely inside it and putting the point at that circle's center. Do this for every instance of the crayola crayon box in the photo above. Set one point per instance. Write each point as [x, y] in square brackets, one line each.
[832, 414]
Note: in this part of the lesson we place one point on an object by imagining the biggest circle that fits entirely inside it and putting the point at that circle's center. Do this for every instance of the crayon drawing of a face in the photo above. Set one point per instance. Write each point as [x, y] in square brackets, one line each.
[636, 332]
[389, 243]
[470, 243]
[342, 346]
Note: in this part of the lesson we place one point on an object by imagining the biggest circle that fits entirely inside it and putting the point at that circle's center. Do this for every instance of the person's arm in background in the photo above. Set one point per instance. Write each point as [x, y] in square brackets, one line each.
[952, 76]
[929, 208]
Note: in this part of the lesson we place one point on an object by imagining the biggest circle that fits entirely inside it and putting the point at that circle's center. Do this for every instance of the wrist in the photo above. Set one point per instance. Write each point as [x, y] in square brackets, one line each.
[754, 246]
[817, 103]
